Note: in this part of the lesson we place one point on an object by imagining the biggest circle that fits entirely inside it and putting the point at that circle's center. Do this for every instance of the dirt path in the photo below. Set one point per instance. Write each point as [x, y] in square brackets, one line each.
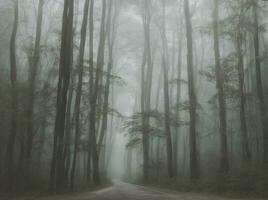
[124, 191]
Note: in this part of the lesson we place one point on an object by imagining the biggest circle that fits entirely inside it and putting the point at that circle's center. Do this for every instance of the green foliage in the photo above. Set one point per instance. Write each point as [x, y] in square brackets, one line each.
[134, 127]
[132, 143]
[115, 79]
[230, 77]
[249, 181]
[115, 113]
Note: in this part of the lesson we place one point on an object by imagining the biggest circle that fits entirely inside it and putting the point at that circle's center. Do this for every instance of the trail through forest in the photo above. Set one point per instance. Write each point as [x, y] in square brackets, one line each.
[168, 92]
[123, 191]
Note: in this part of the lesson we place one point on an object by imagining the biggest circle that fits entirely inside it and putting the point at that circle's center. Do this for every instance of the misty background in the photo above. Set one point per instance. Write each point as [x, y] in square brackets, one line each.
[164, 92]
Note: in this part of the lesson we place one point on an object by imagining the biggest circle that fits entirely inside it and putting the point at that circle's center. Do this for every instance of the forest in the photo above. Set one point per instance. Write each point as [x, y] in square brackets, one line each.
[125, 99]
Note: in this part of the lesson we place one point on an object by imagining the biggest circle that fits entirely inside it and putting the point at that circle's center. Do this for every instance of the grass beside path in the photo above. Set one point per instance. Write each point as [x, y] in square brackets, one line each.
[83, 190]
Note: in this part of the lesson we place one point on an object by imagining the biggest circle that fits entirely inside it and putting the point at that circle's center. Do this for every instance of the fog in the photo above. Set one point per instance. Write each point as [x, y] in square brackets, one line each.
[166, 93]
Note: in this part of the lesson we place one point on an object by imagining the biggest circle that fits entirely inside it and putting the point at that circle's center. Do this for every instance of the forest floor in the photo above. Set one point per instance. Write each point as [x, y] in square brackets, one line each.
[124, 191]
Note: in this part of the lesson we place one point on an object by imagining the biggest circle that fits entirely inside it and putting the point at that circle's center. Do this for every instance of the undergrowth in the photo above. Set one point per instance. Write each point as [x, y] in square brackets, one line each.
[248, 182]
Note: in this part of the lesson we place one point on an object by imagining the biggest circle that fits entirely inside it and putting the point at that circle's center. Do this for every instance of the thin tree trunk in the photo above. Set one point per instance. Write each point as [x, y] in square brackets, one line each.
[68, 129]
[145, 137]
[34, 63]
[224, 165]
[158, 88]
[79, 89]
[111, 138]
[91, 82]
[243, 123]
[194, 166]
[14, 101]
[261, 96]
[178, 95]
[70, 118]
[57, 164]
[100, 62]
[167, 122]
[110, 39]
[166, 97]
[146, 85]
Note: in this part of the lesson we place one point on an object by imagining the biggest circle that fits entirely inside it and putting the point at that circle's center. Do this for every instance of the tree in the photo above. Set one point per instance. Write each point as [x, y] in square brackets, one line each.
[33, 69]
[146, 85]
[166, 96]
[111, 31]
[94, 97]
[261, 96]
[57, 164]
[79, 88]
[178, 96]
[110, 38]
[241, 81]
[224, 165]
[91, 82]
[14, 100]
[194, 169]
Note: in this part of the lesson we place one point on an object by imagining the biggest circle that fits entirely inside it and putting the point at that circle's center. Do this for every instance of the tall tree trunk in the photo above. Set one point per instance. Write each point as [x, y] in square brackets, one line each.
[110, 39]
[69, 128]
[261, 96]
[14, 101]
[100, 62]
[79, 88]
[194, 166]
[166, 96]
[224, 165]
[91, 82]
[167, 121]
[243, 123]
[111, 138]
[178, 96]
[145, 136]
[70, 118]
[57, 164]
[110, 34]
[34, 63]
[146, 85]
